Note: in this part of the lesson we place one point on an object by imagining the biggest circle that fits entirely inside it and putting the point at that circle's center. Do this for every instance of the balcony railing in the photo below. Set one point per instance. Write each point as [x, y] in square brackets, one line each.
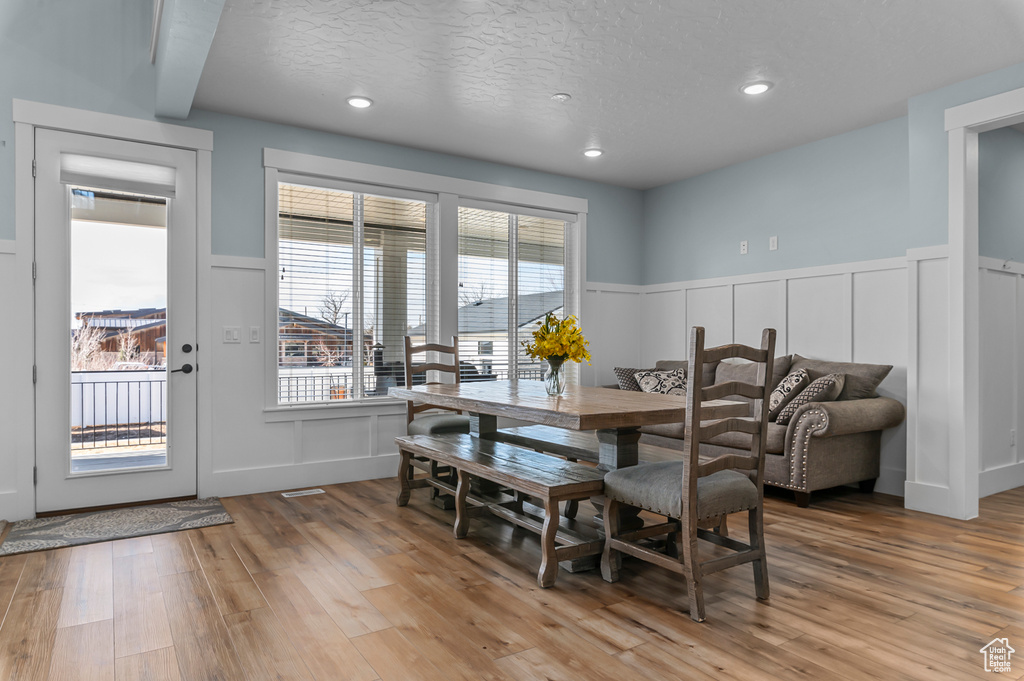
[118, 409]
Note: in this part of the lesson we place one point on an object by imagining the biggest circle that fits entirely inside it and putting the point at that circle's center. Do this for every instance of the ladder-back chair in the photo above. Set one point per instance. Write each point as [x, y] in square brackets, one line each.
[695, 494]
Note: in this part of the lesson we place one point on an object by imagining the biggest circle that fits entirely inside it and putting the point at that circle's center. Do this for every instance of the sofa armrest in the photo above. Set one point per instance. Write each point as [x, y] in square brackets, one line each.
[828, 419]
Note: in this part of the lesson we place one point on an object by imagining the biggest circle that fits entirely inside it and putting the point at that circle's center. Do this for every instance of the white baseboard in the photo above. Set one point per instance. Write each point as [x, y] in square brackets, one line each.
[295, 475]
[919, 496]
[1000, 479]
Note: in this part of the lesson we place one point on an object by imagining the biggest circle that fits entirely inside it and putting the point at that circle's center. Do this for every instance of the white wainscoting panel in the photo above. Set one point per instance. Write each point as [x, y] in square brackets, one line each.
[852, 312]
[928, 457]
[9, 352]
[254, 449]
[1001, 315]
[611, 320]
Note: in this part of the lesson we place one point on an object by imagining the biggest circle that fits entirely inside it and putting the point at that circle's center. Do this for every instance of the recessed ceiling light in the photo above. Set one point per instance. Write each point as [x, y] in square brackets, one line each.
[592, 153]
[360, 102]
[758, 88]
[561, 97]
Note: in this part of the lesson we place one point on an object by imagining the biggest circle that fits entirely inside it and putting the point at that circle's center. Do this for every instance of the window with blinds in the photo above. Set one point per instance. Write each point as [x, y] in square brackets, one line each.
[511, 273]
[352, 283]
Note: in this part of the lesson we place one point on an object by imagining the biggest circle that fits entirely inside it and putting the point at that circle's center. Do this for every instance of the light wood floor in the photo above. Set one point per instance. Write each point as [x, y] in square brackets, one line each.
[348, 586]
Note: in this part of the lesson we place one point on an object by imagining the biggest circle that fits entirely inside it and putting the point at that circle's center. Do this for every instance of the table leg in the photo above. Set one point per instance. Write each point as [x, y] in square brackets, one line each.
[619, 448]
[483, 426]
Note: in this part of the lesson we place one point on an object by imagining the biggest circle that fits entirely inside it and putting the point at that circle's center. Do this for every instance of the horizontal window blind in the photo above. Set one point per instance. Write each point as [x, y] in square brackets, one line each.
[352, 283]
[500, 253]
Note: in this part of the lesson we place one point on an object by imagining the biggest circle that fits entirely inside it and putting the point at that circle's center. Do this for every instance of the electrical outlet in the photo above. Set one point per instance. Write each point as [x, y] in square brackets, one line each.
[773, 243]
[1013, 438]
[743, 248]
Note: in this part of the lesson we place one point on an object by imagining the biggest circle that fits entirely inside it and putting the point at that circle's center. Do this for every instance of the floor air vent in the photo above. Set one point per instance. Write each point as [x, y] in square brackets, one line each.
[302, 493]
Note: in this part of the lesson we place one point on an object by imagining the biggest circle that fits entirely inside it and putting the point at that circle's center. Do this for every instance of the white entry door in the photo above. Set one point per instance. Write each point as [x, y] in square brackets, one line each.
[115, 321]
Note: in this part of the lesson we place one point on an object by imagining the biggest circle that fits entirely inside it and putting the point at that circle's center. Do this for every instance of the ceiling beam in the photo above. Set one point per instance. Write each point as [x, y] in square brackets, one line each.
[186, 32]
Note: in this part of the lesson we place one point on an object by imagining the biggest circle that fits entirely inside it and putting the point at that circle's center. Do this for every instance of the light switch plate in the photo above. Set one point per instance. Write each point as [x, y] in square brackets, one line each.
[232, 334]
[254, 334]
[773, 243]
[743, 248]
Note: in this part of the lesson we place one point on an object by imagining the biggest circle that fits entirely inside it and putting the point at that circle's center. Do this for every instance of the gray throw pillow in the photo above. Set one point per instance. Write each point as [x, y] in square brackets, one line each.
[665, 382]
[786, 390]
[858, 388]
[824, 389]
[627, 378]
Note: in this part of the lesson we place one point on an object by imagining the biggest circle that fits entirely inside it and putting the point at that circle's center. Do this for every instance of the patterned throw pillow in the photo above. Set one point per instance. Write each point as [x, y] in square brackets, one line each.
[787, 389]
[665, 382]
[627, 379]
[824, 389]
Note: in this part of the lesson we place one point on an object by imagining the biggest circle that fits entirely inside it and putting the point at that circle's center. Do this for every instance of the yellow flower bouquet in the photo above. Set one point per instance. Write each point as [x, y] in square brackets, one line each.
[557, 341]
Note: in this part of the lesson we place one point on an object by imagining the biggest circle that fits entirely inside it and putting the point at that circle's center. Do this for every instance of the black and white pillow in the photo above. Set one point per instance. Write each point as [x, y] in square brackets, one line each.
[671, 382]
[824, 389]
[627, 378]
[787, 389]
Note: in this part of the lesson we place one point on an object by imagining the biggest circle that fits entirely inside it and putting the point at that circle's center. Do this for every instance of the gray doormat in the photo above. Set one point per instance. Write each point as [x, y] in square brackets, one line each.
[120, 523]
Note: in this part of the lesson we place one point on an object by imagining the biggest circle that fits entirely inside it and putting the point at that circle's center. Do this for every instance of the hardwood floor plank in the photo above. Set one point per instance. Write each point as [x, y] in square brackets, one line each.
[11, 571]
[395, 659]
[343, 603]
[155, 665]
[84, 652]
[357, 568]
[45, 570]
[140, 616]
[320, 643]
[131, 547]
[201, 642]
[263, 647]
[89, 586]
[174, 554]
[231, 583]
[26, 639]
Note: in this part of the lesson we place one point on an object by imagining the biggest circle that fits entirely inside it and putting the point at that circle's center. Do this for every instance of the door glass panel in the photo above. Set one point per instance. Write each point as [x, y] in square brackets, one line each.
[118, 330]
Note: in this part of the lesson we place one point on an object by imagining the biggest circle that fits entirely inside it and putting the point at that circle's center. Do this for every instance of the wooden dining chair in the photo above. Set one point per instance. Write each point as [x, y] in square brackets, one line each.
[432, 424]
[451, 421]
[694, 495]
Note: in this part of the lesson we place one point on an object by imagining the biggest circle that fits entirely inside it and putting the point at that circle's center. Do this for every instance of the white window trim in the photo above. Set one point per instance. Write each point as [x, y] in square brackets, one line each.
[442, 290]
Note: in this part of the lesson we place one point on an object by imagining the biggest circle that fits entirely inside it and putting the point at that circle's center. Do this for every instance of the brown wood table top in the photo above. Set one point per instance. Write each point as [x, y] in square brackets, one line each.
[578, 408]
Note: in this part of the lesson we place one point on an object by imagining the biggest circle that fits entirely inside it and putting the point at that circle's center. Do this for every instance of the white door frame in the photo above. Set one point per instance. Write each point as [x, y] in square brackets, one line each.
[963, 124]
[27, 117]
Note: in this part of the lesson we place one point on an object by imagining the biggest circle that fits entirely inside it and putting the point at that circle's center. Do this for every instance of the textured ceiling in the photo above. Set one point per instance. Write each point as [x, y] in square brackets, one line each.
[653, 83]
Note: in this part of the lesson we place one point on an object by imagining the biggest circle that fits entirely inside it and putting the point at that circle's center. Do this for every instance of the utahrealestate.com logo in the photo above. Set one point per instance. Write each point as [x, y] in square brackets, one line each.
[997, 655]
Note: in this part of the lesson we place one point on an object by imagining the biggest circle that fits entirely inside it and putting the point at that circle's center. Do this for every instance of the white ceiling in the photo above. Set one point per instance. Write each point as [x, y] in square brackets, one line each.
[653, 83]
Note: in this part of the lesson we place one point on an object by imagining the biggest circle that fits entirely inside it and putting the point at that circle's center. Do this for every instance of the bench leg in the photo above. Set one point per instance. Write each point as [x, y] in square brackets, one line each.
[461, 517]
[572, 506]
[548, 564]
[404, 473]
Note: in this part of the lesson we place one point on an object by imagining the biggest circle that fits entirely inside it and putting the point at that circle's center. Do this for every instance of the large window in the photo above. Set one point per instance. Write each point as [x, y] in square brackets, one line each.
[511, 274]
[352, 284]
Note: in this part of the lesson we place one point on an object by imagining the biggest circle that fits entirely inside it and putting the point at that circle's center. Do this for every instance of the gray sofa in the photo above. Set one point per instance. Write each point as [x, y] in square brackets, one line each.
[826, 444]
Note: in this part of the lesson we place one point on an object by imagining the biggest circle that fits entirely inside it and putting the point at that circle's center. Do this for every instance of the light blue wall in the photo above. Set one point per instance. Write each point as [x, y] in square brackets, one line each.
[613, 224]
[1001, 194]
[94, 54]
[840, 199]
[929, 150]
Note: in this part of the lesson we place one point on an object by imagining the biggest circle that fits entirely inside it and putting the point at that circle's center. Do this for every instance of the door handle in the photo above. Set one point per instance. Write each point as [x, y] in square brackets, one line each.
[186, 369]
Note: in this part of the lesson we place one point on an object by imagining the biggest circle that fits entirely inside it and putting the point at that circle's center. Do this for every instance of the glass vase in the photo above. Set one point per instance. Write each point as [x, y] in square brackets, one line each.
[554, 377]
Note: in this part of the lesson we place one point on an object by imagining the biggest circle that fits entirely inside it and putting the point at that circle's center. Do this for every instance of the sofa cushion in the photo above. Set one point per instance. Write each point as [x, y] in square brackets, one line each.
[786, 390]
[437, 424]
[671, 382]
[873, 374]
[709, 368]
[626, 377]
[775, 444]
[824, 389]
[659, 487]
[746, 372]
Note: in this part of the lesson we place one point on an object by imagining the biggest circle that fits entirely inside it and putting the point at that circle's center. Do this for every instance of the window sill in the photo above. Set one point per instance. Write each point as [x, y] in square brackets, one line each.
[348, 409]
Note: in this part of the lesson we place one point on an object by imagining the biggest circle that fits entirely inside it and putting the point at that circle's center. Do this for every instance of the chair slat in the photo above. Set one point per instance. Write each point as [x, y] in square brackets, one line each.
[423, 368]
[731, 351]
[720, 390]
[726, 462]
[710, 429]
[430, 347]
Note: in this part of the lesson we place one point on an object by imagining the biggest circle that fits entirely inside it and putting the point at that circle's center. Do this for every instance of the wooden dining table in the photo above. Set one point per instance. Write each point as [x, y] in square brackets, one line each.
[615, 415]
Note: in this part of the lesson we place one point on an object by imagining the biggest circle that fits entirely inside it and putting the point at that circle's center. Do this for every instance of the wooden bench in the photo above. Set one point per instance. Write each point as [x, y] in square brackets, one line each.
[532, 474]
